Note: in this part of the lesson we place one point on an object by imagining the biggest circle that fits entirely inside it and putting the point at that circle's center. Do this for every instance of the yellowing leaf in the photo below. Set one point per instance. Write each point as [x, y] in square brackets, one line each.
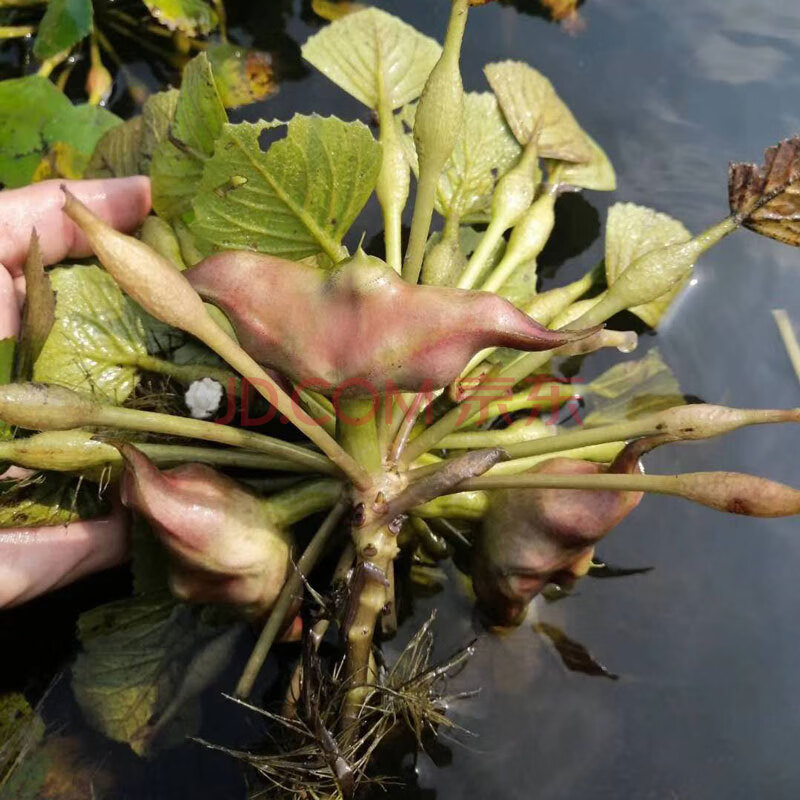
[192, 17]
[767, 198]
[529, 102]
[632, 231]
[177, 165]
[296, 199]
[372, 54]
[484, 150]
[242, 76]
[96, 337]
[334, 9]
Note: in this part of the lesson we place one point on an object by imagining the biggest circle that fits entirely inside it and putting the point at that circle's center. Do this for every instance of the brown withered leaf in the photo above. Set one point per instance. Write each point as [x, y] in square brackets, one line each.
[39, 313]
[575, 657]
[766, 198]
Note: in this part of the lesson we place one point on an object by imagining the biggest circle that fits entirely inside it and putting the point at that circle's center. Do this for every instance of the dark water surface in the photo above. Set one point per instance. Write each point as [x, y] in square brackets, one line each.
[707, 645]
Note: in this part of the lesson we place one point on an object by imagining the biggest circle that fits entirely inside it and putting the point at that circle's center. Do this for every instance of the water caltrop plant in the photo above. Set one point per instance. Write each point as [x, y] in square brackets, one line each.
[410, 377]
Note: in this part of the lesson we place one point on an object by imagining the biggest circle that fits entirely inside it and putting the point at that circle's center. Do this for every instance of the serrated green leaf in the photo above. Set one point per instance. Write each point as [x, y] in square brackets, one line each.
[485, 150]
[596, 174]
[127, 149]
[64, 24]
[530, 104]
[632, 231]
[192, 17]
[26, 106]
[178, 160]
[296, 199]
[372, 55]
[47, 499]
[97, 335]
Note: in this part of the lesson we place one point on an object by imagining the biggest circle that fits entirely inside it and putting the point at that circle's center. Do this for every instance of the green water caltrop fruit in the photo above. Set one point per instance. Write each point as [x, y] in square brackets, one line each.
[531, 537]
[361, 328]
[225, 542]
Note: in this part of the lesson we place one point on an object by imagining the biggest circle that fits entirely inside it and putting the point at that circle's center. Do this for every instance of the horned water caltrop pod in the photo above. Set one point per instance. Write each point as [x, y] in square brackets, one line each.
[415, 398]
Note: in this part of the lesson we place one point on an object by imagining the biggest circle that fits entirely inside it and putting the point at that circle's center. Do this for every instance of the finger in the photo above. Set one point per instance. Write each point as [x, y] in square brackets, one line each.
[122, 202]
[37, 560]
[9, 309]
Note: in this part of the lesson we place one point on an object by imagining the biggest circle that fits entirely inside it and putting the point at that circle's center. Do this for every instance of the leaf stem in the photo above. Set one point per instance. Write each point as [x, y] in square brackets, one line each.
[277, 615]
[436, 128]
[186, 373]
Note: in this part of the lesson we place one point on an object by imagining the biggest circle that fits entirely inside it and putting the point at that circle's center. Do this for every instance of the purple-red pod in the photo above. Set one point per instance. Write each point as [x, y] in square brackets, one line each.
[361, 327]
[531, 536]
[225, 544]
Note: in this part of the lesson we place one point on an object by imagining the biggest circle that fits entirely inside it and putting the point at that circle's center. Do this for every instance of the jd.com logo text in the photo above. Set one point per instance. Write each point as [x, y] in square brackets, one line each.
[542, 398]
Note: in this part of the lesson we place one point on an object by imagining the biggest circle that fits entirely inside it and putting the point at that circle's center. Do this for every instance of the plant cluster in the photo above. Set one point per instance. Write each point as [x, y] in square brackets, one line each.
[410, 378]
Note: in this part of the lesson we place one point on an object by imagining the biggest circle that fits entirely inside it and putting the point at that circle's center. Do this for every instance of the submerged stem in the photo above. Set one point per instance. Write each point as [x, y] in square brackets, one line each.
[290, 589]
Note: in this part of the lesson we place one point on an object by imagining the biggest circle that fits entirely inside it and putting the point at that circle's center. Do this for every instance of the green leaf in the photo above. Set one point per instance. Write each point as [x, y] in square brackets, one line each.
[140, 657]
[81, 126]
[530, 103]
[39, 313]
[64, 24]
[47, 499]
[296, 199]
[485, 150]
[372, 55]
[26, 106]
[192, 17]
[96, 338]
[632, 389]
[632, 231]
[597, 173]
[178, 160]
[127, 149]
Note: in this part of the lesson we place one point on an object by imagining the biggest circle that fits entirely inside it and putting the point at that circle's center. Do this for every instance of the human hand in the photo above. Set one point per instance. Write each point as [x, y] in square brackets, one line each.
[38, 560]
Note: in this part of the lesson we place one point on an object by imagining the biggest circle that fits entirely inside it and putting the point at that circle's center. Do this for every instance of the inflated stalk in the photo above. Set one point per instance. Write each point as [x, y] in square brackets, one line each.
[164, 292]
[53, 408]
[357, 433]
[444, 260]
[436, 128]
[290, 590]
[650, 276]
[78, 450]
[512, 197]
[699, 421]
[734, 492]
[394, 180]
[527, 240]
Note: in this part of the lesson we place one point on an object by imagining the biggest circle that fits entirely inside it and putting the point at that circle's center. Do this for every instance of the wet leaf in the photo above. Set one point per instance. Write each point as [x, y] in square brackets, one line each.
[372, 54]
[597, 173]
[177, 164]
[38, 315]
[632, 231]
[767, 198]
[47, 499]
[192, 17]
[21, 729]
[484, 150]
[296, 199]
[97, 335]
[242, 76]
[64, 24]
[574, 656]
[528, 101]
[632, 389]
[134, 653]
[600, 569]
